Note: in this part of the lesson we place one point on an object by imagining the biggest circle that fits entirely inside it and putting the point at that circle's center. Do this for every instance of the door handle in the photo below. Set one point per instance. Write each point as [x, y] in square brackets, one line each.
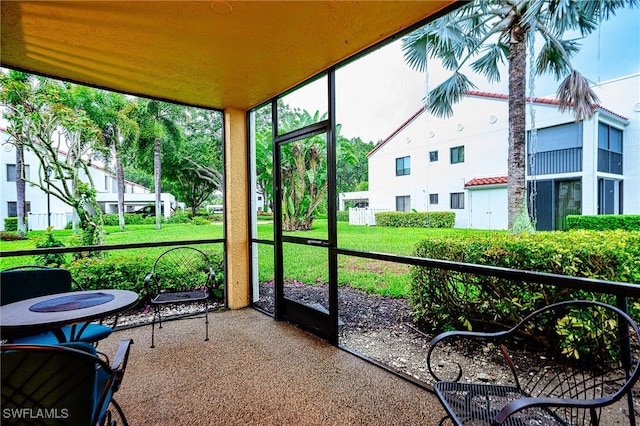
[319, 243]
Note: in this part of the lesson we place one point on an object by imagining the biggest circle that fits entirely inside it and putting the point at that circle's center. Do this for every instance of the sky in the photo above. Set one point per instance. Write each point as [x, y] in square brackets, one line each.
[378, 92]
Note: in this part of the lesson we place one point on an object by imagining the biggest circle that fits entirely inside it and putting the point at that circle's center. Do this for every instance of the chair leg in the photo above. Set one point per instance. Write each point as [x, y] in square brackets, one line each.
[206, 323]
[120, 412]
[156, 313]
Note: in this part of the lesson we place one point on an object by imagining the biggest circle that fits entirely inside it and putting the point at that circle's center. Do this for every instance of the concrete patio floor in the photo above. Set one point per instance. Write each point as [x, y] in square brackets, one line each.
[257, 371]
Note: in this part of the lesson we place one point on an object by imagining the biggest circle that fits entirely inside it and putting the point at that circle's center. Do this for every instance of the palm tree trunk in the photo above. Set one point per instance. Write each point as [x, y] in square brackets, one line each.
[157, 171]
[120, 181]
[517, 124]
[20, 190]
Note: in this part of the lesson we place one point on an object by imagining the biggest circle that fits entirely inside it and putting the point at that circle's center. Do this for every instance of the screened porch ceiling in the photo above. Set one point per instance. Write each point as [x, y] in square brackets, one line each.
[217, 54]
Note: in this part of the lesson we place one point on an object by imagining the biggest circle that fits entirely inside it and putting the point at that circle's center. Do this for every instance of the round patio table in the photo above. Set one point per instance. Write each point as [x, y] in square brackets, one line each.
[53, 311]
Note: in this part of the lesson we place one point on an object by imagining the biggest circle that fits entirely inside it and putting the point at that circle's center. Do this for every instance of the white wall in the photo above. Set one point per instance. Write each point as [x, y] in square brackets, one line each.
[622, 96]
[480, 124]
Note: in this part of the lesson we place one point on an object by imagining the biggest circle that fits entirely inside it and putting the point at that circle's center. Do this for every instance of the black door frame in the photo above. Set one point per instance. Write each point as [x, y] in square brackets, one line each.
[319, 322]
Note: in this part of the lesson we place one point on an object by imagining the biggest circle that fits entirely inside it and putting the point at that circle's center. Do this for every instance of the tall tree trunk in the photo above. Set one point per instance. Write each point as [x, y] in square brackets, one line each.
[20, 190]
[120, 182]
[517, 124]
[156, 173]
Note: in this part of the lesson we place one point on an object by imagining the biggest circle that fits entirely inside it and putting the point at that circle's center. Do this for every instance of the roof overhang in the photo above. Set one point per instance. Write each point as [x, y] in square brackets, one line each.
[216, 54]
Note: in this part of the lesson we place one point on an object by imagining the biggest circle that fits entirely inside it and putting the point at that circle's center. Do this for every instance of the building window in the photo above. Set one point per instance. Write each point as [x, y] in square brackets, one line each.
[403, 166]
[609, 149]
[433, 156]
[433, 198]
[106, 183]
[457, 154]
[12, 208]
[403, 203]
[11, 172]
[457, 200]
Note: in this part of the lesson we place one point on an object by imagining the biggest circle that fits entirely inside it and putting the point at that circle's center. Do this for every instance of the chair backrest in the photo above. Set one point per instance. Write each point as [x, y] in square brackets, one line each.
[592, 353]
[57, 382]
[19, 284]
[181, 268]
[585, 351]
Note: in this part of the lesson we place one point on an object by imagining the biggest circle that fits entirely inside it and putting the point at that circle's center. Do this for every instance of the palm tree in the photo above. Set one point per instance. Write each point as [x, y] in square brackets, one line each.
[111, 112]
[159, 123]
[485, 34]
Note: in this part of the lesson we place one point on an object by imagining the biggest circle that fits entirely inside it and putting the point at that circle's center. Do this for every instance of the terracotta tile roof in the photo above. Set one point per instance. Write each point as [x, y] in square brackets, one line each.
[497, 180]
[548, 101]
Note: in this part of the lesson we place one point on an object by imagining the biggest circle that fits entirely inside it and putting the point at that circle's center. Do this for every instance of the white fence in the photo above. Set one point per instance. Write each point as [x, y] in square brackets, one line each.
[39, 222]
[366, 216]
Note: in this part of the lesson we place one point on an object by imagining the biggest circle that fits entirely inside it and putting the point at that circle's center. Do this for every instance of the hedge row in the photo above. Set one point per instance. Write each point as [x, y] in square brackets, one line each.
[452, 300]
[604, 222]
[125, 271]
[11, 224]
[177, 217]
[416, 219]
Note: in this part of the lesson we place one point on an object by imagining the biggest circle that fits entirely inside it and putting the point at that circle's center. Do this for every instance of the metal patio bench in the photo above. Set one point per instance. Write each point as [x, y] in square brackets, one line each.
[559, 366]
[178, 276]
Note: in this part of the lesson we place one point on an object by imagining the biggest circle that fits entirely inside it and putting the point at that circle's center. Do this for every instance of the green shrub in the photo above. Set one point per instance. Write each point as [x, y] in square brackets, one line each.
[137, 219]
[132, 219]
[179, 217]
[416, 219]
[200, 220]
[110, 220]
[452, 300]
[342, 216]
[215, 217]
[604, 222]
[265, 215]
[11, 236]
[11, 224]
[48, 240]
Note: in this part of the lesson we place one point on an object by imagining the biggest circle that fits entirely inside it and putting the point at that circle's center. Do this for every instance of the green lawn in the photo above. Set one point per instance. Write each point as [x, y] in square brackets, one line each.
[303, 263]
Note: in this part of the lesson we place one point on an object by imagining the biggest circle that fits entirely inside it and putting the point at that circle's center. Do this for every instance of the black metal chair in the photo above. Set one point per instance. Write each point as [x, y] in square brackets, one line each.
[179, 275]
[563, 364]
[24, 282]
[68, 384]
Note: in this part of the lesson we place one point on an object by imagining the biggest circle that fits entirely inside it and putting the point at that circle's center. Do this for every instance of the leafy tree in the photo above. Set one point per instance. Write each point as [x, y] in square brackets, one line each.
[486, 33]
[304, 165]
[304, 182]
[40, 109]
[196, 170]
[352, 173]
[133, 174]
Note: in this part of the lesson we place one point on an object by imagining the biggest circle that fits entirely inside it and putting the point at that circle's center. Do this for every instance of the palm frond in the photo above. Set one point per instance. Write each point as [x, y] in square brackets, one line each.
[414, 49]
[447, 93]
[604, 9]
[488, 64]
[554, 57]
[575, 93]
